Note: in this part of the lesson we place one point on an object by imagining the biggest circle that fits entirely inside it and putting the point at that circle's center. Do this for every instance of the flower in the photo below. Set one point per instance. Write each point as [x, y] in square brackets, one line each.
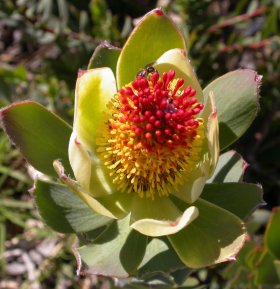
[137, 147]
[144, 145]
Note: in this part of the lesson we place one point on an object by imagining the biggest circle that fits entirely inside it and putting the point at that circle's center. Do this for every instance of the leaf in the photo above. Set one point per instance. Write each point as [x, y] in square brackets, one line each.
[114, 206]
[266, 273]
[236, 96]
[277, 268]
[215, 236]
[63, 211]
[105, 55]
[159, 257]
[230, 168]
[240, 199]
[272, 236]
[154, 35]
[40, 135]
[116, 252]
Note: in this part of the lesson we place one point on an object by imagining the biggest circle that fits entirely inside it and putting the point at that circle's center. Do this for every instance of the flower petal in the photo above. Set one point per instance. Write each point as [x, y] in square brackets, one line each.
[177, 59]
[91, 176]
[215, 236]
[159, 217]
[192, 189]
[80, 162]
[212, 136]
[112, 206]
[155, 34]
[119, 203]
[94, 89]
[211, 147]
[230, 168]
[89, 171]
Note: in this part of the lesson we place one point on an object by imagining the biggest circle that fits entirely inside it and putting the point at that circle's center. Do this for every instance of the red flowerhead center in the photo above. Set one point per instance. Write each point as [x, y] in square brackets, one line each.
[152, 140]
[158, 111]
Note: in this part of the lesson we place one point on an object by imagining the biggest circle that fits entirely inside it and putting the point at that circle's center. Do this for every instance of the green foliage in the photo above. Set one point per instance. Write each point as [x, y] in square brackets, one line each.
[41, 136]
[105, 55]
[237, 99]
[63, 211]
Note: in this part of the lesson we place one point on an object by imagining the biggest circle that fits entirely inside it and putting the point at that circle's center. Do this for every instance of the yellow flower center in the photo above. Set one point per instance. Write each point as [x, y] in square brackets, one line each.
[152, 139]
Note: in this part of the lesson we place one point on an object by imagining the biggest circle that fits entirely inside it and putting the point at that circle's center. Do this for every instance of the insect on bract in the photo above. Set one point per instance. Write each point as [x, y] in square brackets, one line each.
[148, 69]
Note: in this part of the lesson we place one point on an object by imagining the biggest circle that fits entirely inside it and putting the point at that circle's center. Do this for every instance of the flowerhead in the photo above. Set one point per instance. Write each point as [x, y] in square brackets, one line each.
[146, 138]
[143, 144]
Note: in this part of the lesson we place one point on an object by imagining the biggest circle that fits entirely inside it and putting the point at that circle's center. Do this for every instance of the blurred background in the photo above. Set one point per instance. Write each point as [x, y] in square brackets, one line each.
[43, 43]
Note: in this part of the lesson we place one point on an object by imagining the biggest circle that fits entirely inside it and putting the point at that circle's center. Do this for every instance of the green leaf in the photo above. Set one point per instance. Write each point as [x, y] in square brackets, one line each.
[277, 268]
[114, 206]
[159, 257]
[215, 236]
[266, 273]
[116, 252]
[253, 256]
[105, 55]
[272, 235]
[40, 135]
[230, 168]
[238, 198]
[236, 96]
[63, 211]
[154, 35]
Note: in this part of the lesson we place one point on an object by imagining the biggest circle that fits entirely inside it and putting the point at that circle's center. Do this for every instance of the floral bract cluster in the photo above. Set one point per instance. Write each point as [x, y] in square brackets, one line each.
[144, 157]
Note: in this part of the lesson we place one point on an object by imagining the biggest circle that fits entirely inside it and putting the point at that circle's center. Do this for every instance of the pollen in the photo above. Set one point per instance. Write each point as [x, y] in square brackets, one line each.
[152, 138]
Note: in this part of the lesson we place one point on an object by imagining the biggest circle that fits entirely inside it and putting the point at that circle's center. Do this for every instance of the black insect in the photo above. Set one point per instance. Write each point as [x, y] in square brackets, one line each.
[148, 69]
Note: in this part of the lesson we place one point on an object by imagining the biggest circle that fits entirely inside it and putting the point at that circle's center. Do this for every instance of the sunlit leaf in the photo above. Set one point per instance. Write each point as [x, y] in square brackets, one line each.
[237, 99]
[239, 198]
[40, 135]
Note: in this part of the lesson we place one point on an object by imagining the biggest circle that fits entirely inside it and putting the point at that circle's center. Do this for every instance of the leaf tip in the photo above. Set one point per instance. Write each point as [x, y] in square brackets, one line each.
[81, 72]
[77, 257]
[106, 44]
[32, 189]
[258, 80]
[158, 12]
[275, 209]
[3, 112]
[76, 141]
[213, 114]
[245, 166]
[231, 258]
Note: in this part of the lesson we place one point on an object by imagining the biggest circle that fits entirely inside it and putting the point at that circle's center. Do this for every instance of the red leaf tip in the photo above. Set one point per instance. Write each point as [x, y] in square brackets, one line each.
[231, 258]
[158, 12]
[275, 209]
[3, 111]
[76, 141]
[81, 72]
[245, 165]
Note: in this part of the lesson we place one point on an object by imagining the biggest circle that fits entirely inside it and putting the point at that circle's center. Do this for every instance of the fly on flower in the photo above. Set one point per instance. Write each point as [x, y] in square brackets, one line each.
[148, 69]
